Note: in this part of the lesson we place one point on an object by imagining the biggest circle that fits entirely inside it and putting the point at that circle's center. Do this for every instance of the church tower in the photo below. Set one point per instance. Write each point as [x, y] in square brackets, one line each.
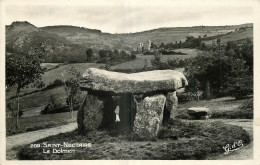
[149, 45]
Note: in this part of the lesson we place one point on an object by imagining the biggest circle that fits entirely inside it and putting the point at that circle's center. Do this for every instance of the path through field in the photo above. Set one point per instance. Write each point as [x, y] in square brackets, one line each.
[30, 137]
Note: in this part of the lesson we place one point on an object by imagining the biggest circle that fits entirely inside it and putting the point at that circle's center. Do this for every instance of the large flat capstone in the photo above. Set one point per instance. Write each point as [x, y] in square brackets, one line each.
[142, 82]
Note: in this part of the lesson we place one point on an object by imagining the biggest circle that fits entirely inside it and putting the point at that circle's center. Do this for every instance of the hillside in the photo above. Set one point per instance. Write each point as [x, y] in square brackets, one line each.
[128, 41]
[237, 36]
[69, 43]
[23, 36]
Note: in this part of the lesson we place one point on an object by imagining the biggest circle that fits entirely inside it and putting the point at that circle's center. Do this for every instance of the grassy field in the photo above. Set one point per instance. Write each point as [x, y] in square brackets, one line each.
[32, 123]
[50, 65]
[139, 62]
[40, 98]
[50, 76]
[35, 102]
[56, 73]
[226, 107]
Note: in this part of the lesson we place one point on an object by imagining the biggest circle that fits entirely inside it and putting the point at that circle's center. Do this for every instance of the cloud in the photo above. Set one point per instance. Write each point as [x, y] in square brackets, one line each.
[121, 19]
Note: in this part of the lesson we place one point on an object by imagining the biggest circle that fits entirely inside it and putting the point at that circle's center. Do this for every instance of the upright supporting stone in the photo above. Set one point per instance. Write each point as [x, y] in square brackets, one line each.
[149, 116]
[95, 111]
[171, 104]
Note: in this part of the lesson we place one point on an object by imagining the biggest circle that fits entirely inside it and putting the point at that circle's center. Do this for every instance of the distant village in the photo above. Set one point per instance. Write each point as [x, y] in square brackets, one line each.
[142, 47]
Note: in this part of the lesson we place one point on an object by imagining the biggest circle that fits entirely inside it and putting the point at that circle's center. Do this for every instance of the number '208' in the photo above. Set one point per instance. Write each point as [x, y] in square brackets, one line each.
[35, 145]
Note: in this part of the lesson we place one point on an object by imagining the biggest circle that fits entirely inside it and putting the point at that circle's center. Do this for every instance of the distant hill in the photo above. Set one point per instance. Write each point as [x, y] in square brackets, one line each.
[23, 36]
[65, 42]
[97, 39]
[239, 36]
[69, 29]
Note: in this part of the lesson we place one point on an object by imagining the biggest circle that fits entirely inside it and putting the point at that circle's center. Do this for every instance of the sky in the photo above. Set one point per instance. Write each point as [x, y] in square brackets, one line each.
[121, 17]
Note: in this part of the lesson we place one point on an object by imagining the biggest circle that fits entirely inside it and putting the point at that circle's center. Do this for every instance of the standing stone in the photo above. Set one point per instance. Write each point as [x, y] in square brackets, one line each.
[149, 116]
[171, 104]
[95, 112]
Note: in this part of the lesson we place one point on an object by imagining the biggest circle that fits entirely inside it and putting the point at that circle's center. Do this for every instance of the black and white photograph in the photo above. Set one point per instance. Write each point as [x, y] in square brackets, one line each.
[128, 80]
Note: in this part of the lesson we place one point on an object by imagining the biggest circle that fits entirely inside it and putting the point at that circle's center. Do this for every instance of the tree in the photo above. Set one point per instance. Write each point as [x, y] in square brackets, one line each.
[218, 41]
[203, 46]
[71, 86]
[157, 61]
[116, 52]
[227, 75]
[89, 54]
[153, 46]
[123, 55]
[247, 53]
[240, 81]
[162, 45]
[23, 70]
[102, 54]
[193, 87]
[145, 65]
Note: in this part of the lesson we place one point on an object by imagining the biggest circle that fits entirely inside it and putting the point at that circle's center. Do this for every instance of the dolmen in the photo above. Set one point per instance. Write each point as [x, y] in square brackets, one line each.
[144, 99]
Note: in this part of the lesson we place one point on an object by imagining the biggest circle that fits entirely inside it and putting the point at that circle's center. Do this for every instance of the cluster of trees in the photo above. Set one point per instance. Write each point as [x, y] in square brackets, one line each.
[109, 56]
[157, 63]
[79, 55]
[224, 71]
[164, 52]
[190, 42]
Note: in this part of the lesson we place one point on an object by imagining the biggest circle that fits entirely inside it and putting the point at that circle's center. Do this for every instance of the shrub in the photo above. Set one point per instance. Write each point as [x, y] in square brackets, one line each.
[170, 52]
[56, 83]
[50, 110]
[53, 106]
